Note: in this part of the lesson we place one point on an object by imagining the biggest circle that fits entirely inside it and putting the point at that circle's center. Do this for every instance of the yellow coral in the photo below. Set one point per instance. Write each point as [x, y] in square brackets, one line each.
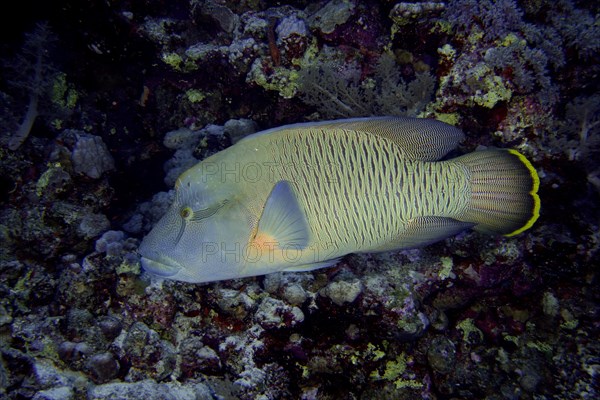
[494, 91]
[467, 326]
[195, 95]
[393, 372]
[174, 60]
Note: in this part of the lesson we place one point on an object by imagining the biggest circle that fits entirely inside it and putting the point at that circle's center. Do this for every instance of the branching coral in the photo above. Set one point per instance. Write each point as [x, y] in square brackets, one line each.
[494, 18]
[580, 131]
[338, 91]
[579, 27]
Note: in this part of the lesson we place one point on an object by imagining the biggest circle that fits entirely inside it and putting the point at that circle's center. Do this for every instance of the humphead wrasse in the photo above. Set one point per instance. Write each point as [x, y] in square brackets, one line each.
[299, 197]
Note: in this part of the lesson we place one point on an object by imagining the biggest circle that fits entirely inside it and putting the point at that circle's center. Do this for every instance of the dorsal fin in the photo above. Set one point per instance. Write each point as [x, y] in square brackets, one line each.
[419, 138]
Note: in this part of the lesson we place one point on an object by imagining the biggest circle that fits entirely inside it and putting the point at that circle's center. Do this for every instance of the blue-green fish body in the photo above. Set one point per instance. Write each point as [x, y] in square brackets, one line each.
[299, 197]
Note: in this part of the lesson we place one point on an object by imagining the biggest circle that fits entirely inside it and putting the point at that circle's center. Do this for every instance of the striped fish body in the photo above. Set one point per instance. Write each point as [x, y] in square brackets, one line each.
[356, 190]
[300, 197]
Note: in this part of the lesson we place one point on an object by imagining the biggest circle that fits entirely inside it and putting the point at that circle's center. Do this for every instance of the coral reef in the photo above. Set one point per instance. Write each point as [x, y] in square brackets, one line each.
[130, 94]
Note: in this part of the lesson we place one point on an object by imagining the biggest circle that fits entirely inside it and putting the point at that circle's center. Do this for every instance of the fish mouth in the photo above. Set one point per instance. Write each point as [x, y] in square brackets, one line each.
[161, 266]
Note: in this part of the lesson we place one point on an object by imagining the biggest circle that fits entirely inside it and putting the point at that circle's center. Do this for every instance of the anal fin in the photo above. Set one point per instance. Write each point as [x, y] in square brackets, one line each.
[313, 266]
[422, 231]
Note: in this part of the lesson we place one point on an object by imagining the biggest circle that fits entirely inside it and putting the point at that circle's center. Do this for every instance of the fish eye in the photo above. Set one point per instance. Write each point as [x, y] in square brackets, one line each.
[186, 213]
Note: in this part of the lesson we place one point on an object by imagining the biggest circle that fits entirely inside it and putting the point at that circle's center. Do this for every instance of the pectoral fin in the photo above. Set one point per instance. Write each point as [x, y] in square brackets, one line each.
[282, 222]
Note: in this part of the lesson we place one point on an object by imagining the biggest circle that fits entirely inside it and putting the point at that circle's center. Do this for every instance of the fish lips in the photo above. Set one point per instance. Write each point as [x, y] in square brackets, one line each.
[161, 266]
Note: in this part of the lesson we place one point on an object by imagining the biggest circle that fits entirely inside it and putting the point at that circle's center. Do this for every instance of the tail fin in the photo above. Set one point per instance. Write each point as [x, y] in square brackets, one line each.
[504, 187]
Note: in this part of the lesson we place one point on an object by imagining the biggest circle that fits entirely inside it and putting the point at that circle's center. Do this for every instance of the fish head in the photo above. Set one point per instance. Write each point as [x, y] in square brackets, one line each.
[202, 236]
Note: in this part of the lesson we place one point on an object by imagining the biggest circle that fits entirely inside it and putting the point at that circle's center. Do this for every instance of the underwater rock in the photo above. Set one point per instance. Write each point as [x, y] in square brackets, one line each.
[234, 302]
[342, 292]
[71, 352]
[292, 36]
[5, 317]
[212, 129]
[272, 282]
[54, 181]
[219, 13]
[333, 14]
[441, 354]
[134, 225]
[150, 357]
[295, 294]
[92, 224]
[54, 381]
[110, 243]
[404, 12]
[78, 322]
[153, 210]
[439, 320]
[103, 367]
[530, 379]
[182, 138]
[3, 379]
[197, 358]
[182, 160]
[47, 375]
[151, 390]
[274, 313]
[57, 393]
[290, 26]
[90, 156]
[110, 326]
[186, 143]
[239, 128]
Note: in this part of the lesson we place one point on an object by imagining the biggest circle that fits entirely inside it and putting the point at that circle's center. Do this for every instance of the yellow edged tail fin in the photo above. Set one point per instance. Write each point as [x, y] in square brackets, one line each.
[504, 186]
[533, 192]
